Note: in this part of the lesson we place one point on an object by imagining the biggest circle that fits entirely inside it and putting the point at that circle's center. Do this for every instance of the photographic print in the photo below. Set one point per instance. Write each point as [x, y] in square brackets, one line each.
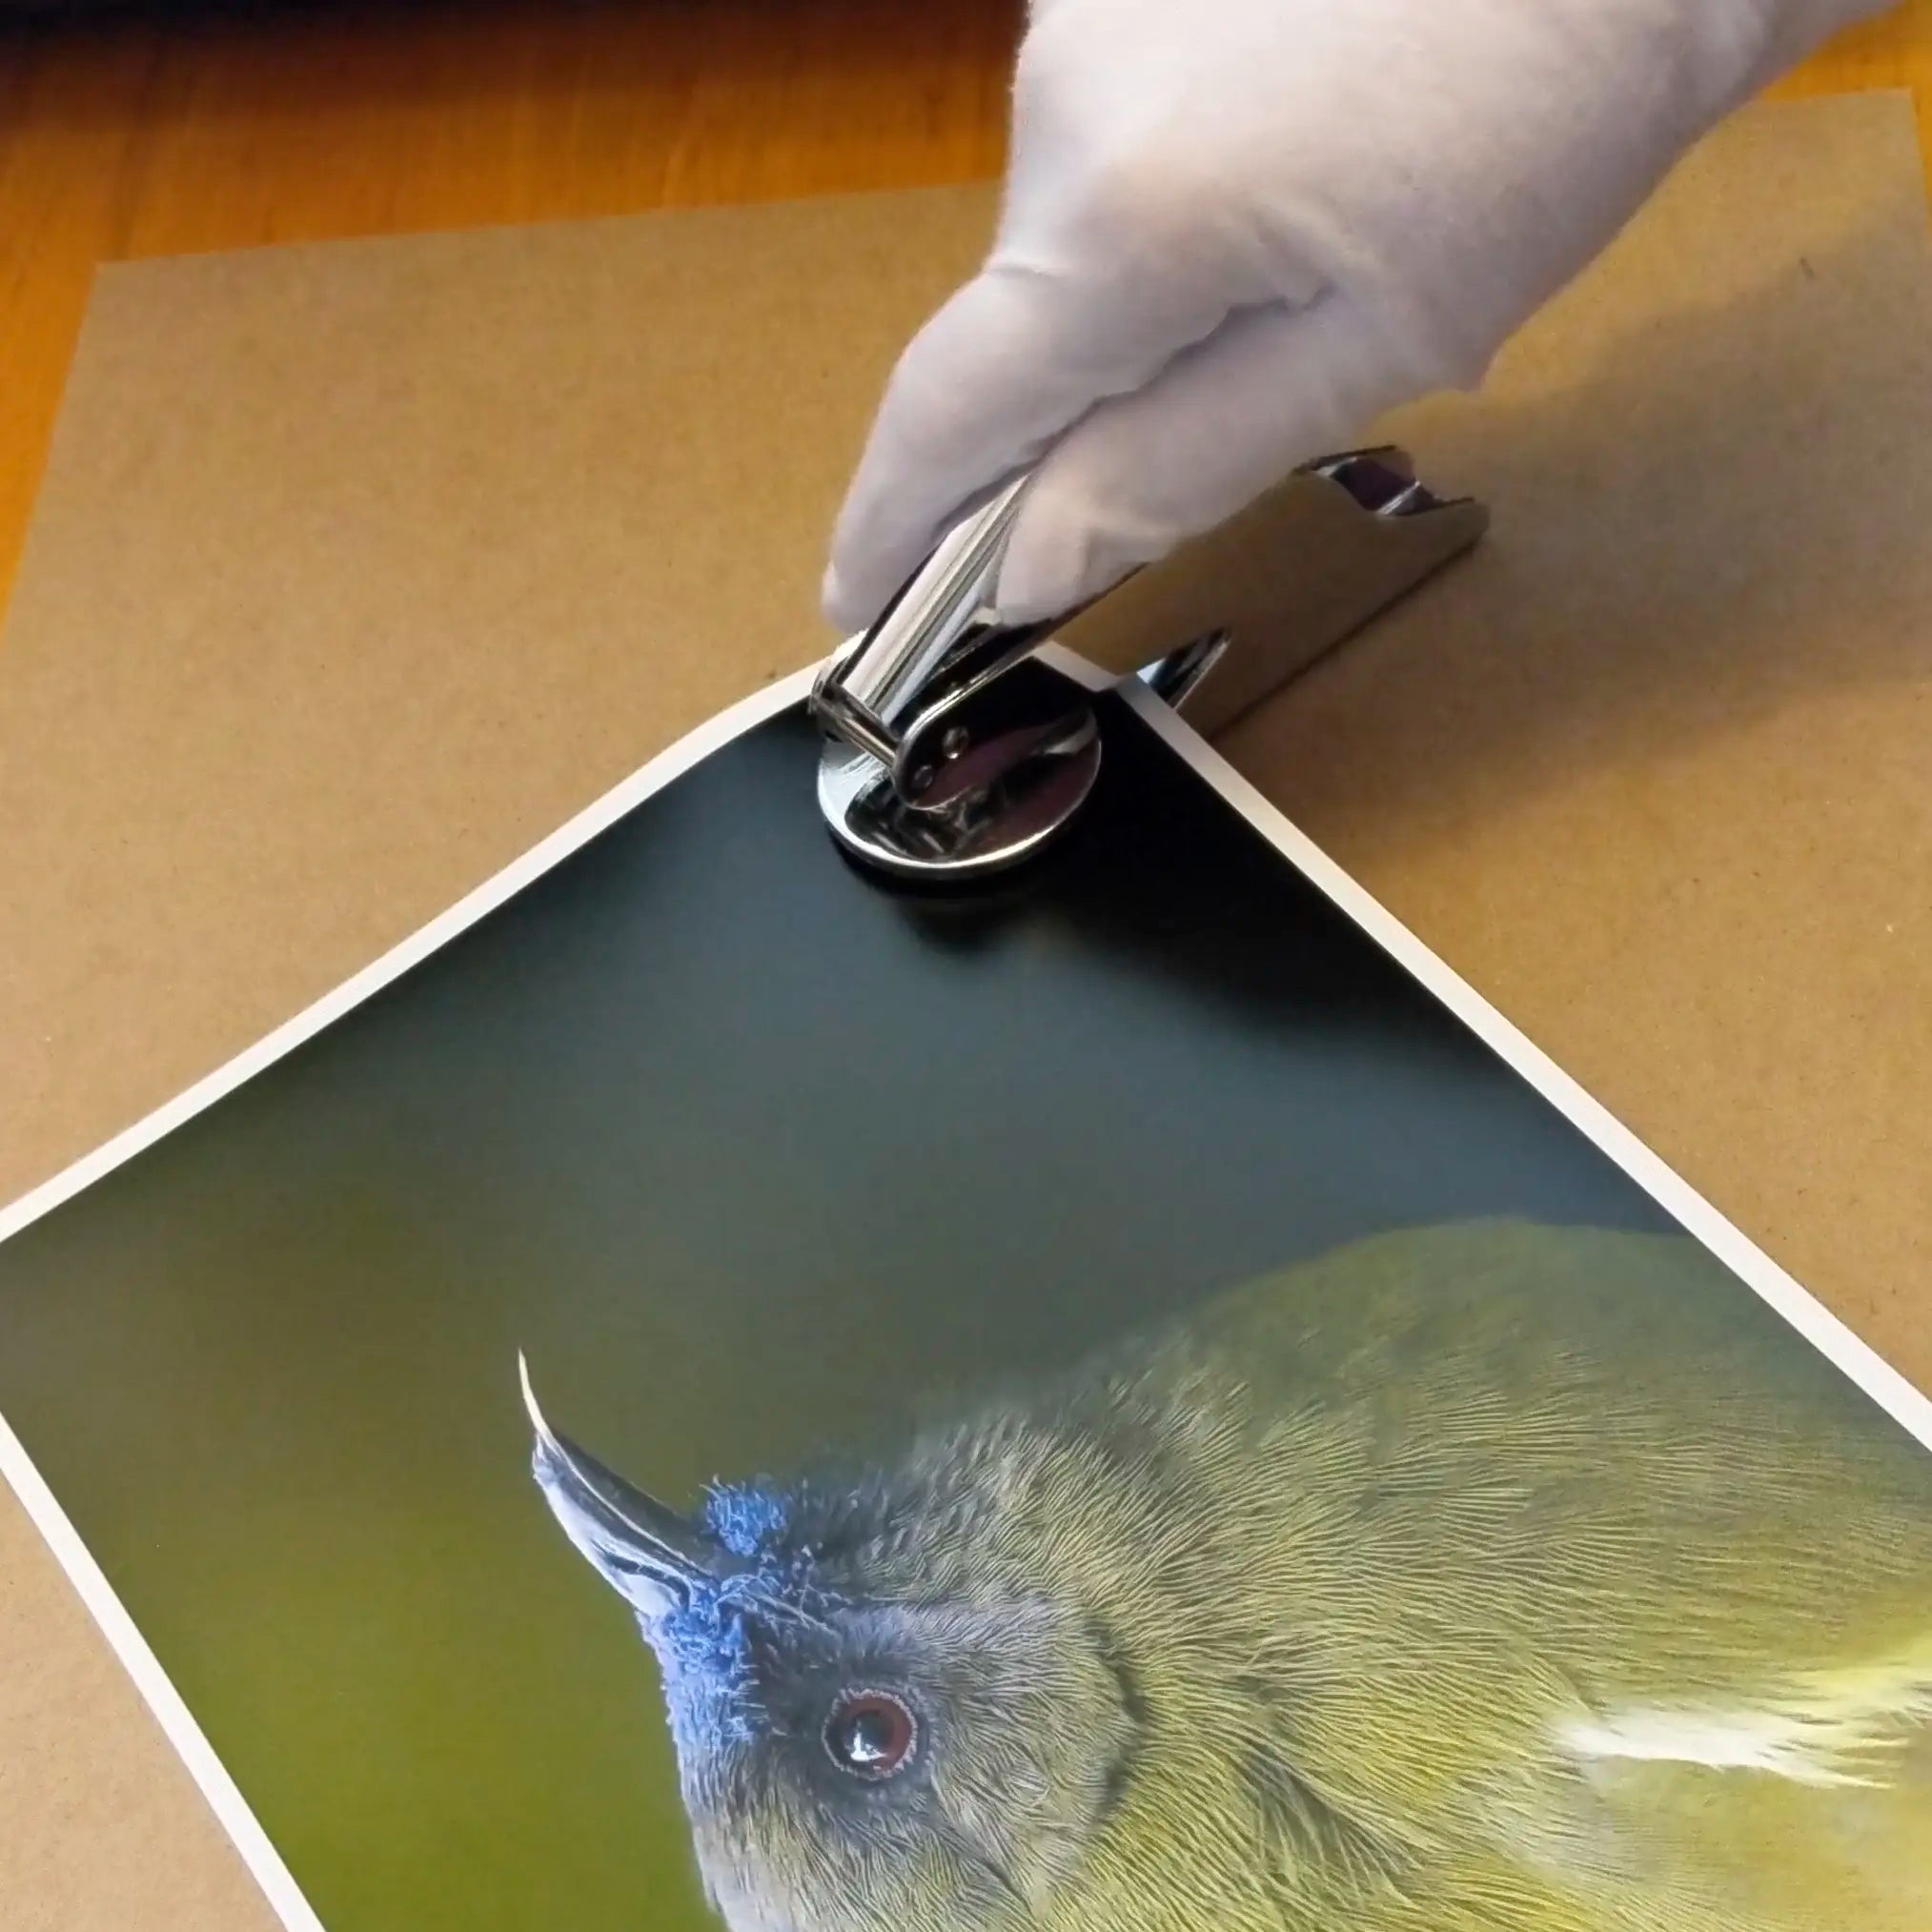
[712, 1390]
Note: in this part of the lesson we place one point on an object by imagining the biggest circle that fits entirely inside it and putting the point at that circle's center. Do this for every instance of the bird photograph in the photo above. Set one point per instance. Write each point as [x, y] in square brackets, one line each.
[1482, 1577]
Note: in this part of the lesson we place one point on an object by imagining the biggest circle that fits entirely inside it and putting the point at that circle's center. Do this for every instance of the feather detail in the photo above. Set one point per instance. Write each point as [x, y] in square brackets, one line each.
[1844, 1728]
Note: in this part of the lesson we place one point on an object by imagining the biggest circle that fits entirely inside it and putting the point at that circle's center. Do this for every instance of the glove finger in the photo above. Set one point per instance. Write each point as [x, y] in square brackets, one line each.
[1004, 366]
[1271, 388]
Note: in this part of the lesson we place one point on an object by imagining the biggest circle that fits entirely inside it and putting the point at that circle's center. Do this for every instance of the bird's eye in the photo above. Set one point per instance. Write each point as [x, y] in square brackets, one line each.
[871, 1734]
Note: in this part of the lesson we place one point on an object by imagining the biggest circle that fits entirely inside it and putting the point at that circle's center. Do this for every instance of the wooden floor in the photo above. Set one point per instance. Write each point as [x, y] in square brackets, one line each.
[189, 130]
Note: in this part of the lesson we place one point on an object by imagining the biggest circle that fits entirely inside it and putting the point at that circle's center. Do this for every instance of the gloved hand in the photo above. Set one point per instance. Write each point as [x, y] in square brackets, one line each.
[1237, 230]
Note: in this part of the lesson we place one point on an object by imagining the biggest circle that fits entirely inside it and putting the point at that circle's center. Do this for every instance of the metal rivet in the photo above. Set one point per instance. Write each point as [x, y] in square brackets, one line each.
[923, 777]
[955, 741]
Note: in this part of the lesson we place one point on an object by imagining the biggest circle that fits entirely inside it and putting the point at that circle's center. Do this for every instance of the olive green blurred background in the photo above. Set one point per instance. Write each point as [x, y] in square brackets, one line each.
[749, 1154]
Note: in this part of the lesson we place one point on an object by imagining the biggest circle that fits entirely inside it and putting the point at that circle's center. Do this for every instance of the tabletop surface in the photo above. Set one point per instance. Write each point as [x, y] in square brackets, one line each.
[187, 130]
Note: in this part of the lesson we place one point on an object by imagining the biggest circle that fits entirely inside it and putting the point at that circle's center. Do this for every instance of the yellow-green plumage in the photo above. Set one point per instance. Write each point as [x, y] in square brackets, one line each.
[1491, 1576]
[1501, 1491]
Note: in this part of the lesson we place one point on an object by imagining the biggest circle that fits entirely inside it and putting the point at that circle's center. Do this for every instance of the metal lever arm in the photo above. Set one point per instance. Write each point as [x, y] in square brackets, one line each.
[953, 751]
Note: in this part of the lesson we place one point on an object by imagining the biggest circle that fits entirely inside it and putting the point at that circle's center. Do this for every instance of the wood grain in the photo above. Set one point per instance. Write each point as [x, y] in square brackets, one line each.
[182, 130]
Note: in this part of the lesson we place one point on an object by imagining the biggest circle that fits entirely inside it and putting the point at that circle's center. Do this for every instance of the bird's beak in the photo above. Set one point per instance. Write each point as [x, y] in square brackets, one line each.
[652, 1556]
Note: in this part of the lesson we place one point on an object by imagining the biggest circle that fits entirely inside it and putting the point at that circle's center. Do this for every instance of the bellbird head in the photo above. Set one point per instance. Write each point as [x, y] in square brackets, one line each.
[868, 1737]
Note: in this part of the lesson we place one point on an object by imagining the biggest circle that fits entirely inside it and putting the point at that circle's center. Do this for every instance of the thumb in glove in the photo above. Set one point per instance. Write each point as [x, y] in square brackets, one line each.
[1237, 230]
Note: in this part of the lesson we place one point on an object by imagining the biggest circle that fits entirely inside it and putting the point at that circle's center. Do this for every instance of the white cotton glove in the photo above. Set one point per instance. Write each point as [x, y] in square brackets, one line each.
[1235, 232]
